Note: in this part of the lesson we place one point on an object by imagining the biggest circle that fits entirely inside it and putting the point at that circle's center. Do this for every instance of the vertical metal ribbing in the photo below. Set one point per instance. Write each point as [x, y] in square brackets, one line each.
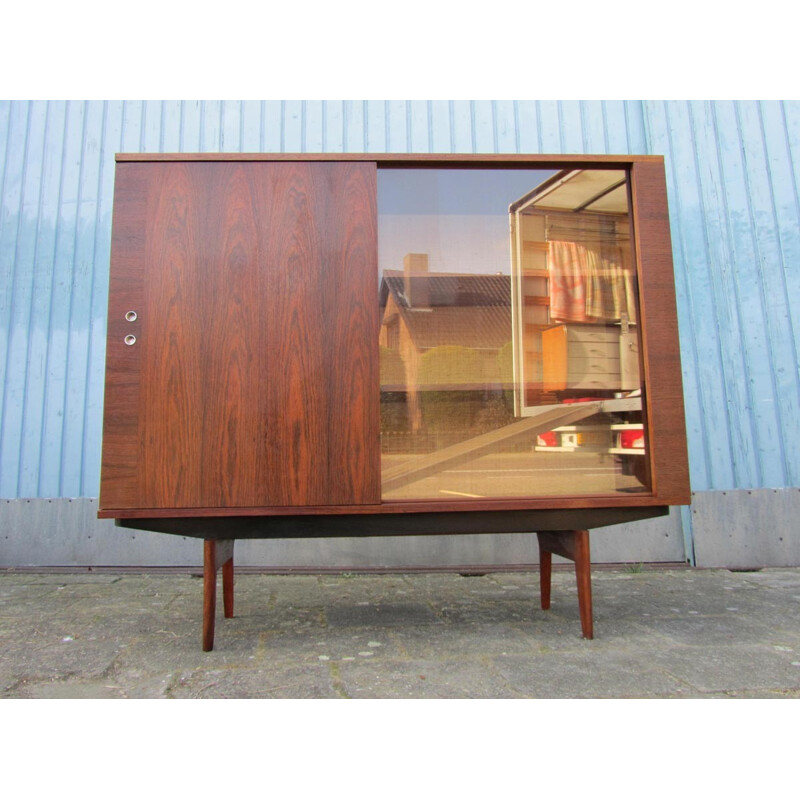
[69, 482]
[94, 375]
[14, 370]
[662, 142]
[33, 412]
[736, 245]
[762, 174]
[49, 467]
[782, 189]
[747, 467]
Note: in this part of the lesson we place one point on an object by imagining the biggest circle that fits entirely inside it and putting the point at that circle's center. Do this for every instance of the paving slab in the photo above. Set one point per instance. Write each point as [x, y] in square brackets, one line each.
[678, 633]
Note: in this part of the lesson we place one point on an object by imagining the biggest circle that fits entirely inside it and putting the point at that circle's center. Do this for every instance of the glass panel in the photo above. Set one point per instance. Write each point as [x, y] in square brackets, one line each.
[508, 345]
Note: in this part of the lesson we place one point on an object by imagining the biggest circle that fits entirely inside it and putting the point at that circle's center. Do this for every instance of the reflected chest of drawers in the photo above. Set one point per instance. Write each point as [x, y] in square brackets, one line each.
[590, 357]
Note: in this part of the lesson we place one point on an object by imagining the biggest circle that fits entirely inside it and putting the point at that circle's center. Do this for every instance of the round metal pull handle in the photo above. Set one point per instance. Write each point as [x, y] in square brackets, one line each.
[130, 339]
[131, 316]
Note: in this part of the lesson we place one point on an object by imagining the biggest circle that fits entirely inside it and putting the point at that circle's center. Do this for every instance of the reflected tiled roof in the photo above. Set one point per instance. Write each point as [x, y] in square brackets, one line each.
[479, 328]
[468, 310]
[459, 290]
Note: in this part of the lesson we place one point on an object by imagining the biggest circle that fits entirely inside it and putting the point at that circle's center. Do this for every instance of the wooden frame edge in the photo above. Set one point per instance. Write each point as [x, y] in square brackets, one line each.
[665, 419]
[404, 159]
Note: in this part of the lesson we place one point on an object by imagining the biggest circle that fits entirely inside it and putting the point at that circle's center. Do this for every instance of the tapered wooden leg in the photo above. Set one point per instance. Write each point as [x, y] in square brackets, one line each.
[583, 575]
[209, 593]
[216, 554]
[545, 576]
[573, 545]
[227, 587]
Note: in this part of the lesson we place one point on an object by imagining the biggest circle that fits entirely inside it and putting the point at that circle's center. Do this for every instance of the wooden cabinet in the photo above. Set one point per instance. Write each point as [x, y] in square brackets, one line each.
[243, 382]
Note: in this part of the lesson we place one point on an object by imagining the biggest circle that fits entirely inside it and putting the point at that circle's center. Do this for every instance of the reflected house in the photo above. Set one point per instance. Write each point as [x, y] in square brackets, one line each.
[443, 332]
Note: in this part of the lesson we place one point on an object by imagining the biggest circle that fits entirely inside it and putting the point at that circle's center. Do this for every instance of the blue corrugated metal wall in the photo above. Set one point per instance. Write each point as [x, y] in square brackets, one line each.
[732, 172]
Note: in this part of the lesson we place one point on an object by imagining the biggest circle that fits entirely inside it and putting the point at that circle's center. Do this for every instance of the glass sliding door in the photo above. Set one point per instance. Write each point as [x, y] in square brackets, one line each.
[508, 341]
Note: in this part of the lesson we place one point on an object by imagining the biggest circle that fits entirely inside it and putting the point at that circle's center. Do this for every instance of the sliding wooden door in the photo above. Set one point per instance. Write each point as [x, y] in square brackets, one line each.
[242, 360]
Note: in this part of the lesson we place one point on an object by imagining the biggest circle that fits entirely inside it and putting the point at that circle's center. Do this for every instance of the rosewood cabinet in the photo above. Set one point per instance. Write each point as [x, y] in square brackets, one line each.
[342, 345]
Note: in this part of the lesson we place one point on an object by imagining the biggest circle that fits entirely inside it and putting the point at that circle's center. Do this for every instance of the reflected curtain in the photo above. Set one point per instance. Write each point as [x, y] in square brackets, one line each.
[590, 282]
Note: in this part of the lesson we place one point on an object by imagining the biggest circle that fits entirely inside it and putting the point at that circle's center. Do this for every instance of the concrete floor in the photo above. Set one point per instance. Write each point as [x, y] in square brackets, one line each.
[659, 634]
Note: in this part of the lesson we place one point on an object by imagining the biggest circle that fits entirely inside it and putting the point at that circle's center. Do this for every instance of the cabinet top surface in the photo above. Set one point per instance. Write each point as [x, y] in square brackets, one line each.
[400, 159]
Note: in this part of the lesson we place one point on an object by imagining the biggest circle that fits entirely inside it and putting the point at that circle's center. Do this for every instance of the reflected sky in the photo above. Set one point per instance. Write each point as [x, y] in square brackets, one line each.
[459, 217]
[454, 191]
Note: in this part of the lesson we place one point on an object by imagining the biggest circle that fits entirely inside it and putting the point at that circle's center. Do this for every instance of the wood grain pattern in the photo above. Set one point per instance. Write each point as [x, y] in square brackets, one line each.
[255, 371]
[351, 327]
[120, 454]
[294, 400]
[665, 427]
[320, 375]
[232, 460]
[175, 303]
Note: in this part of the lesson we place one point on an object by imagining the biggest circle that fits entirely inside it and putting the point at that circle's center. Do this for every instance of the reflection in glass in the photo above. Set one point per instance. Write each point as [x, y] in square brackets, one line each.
[508, 341]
